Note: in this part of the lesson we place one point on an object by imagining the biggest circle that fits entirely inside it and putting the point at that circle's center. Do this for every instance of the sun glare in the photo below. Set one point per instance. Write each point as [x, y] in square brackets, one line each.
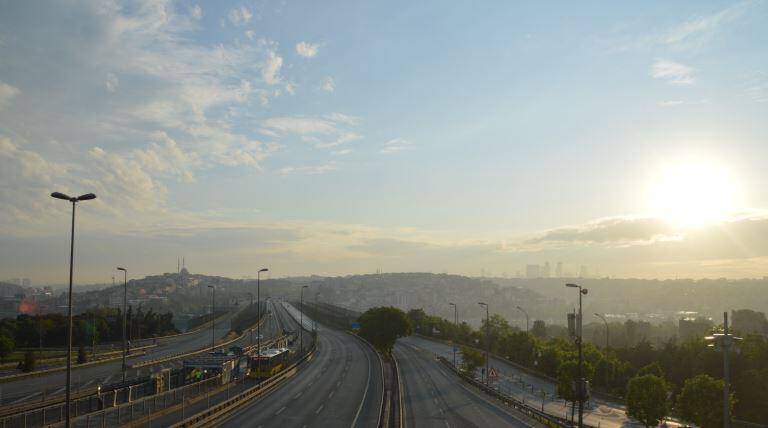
[692, 194]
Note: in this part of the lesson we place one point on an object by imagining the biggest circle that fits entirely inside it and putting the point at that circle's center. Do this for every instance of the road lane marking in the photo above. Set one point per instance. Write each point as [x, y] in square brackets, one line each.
[25, 398]
[280, 411]
[331, 394]
[319, 409]
[298, 395]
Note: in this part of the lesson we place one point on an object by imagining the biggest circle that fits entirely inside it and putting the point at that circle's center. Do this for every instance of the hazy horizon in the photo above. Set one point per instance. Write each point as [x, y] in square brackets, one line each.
[338, 139]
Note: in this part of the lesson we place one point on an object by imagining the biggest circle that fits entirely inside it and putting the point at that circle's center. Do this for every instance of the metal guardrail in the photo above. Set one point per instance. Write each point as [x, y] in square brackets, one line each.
[206, 417]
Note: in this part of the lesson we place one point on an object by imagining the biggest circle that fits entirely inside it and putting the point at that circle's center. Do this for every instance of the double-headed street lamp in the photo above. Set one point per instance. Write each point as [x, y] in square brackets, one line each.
[213, 323]
[725, 342]
[526, 318]
[74, 201]
[580, 387]
[125, 317]
[455, 324]
[606, 329]
[487, 340]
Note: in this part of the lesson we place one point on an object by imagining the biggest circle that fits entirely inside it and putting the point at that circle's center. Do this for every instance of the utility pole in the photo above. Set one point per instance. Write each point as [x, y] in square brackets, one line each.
[213, 324]
[125, 317]
[487, 341]
[455, 324]
[725, 342]
[580, 386]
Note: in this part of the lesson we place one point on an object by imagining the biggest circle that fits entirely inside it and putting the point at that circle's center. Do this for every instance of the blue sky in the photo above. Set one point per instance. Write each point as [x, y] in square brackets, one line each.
[343, 137]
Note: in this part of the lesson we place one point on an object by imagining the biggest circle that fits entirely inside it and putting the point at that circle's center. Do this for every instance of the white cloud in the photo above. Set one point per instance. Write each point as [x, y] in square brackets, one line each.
[270, 71]
[309, 170]
[671, 103]
[112, 82]
[196, 12]
[395, 145]
[6, 93]
[673, 72]
[307, 50]
[699, 30]
[240, 16]
[328, 84]
[341, 152]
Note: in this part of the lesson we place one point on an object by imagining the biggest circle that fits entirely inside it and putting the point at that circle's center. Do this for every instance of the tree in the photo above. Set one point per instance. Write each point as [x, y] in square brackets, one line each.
[471, 359]
[654, 369]
[701, 401]
[647, 399]
[6, 346]
[81, 356]
[539, 329]
[29, 361]
[383, 326]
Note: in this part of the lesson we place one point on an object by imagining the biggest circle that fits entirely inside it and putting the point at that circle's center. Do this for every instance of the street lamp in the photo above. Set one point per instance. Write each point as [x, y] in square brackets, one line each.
[314, 318]
[725, 342]
[526, 318]
[125, 317]
[606, 329]
[455, 324]
[301, 317]
[580, 388]
[213, 324]
[258, 318]
[251, 308]
[487, 340]
[74, 201]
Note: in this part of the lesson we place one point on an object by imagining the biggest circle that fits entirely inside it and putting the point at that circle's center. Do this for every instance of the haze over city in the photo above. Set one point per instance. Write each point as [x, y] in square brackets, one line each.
[342, 138]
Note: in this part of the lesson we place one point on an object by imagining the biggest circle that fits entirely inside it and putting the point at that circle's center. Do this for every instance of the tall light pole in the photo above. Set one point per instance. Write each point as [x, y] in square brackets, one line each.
[526, 318]
[125, 318]
[725, 342]
[487, 340]
[301, 317]
[74, 201]
[251, 308]
[606, 329]
[258, 319]
[455, 324]
[213, 312]
[314, 319]
[580, 388]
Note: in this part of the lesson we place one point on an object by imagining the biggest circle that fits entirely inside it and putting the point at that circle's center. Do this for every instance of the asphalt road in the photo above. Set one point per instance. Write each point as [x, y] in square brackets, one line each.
[34, 388]
[340, 387]
[435, 397]
[528, 388]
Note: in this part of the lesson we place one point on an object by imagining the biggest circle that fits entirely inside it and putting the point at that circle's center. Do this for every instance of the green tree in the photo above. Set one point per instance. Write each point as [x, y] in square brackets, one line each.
[6, 346]
[654, 368]
[29, 361]
[471, 359]
[539, 329]
[81, 356]
[647, 399]
[701, 401]
[383, 326]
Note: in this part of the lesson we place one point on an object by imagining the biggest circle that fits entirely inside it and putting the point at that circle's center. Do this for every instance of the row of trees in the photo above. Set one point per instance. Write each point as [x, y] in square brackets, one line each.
[678, 366]
[97, 326]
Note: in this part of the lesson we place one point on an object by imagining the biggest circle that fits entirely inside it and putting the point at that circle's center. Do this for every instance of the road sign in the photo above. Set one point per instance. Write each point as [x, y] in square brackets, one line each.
[492, 375]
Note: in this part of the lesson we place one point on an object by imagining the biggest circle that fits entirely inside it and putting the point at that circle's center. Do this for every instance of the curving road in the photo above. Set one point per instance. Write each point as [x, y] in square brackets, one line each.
[340, 387]
[435, 397]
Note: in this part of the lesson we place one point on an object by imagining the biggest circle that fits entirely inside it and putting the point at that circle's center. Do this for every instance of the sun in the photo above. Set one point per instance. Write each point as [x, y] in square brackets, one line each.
[694, 193]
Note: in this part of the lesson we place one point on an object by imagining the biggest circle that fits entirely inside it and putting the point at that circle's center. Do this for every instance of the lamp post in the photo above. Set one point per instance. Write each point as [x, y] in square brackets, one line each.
[213, 324]
[258, 319]
[526, 318]
[487, 340]
[455, 324]
[301, 317]
[580, 388]
[725, 342]
[125, 318]
[314, 318]
[606, 329]
[251, 308]
[74, 201]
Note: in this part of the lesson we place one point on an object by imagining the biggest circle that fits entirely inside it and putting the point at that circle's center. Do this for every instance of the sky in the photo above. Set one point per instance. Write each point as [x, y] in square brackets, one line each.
[343, 137]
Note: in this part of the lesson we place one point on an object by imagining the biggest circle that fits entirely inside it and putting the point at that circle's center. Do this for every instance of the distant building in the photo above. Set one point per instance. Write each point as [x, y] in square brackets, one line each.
[545, 270]
[532, 271]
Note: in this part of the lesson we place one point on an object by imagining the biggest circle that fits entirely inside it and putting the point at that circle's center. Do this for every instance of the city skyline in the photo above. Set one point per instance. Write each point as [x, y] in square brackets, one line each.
[344, 138]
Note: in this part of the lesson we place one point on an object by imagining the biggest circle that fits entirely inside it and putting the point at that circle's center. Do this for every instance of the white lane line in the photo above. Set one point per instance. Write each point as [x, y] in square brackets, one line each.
[25, 398]
[365, 393]
[280, 411]
[319, 409]
[88, 383]
[58, 390]
[447, 425]
[108, 378]
[298, 395]
[331, 394]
